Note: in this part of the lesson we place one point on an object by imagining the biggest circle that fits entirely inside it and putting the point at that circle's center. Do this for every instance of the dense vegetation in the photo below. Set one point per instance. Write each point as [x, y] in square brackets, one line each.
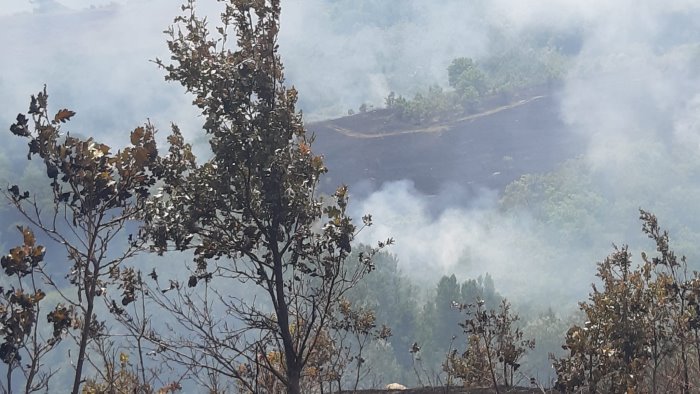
[494, 80]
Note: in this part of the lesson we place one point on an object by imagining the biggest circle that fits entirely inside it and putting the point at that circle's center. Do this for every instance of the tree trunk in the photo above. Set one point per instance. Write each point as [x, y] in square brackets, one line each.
[9, 377]
[490, 362]
[32, 369]
[291, 357]
[294, 380]
[83, 345]
[85, 332]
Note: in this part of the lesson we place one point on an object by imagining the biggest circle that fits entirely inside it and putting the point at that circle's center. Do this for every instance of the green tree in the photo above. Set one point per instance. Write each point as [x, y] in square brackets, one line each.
[250, 214]
[481, 288]
[467, 79]
[394, 300]
[446, 320]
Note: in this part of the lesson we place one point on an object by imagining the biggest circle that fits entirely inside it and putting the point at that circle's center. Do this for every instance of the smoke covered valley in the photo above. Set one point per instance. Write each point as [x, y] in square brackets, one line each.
[529, 197]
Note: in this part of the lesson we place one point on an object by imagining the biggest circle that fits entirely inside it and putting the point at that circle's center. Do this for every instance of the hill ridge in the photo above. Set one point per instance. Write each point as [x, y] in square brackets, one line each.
[437, 126]
[489, 149]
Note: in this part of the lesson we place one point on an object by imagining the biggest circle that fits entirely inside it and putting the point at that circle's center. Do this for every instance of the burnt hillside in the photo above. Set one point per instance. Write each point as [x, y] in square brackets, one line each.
[489, 148]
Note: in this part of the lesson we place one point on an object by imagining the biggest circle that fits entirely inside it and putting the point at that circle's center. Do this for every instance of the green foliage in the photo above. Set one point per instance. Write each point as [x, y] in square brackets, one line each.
[432, 323]
[448, 293]
[441, 310]
[502, 74]
[437, 324]
[395, 301]
[425, 106]
[520, 67]
[547, 329]
[467, 79]
[566, 199]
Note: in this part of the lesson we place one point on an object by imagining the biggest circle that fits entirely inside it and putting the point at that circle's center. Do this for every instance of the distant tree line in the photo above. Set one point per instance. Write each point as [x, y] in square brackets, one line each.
[496, 78]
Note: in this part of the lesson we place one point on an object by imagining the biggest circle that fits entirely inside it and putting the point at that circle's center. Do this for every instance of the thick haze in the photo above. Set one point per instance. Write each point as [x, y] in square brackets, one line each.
[633, 89]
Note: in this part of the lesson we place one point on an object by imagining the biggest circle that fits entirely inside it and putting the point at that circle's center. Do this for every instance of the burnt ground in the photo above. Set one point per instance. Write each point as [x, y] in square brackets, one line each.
[486, 149]
[489, 148]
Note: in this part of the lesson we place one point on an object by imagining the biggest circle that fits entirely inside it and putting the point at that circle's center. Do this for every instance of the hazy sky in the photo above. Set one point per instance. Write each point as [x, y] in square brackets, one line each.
[334, 55]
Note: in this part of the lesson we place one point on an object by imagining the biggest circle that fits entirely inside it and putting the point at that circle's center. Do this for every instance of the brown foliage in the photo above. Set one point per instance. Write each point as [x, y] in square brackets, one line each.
[641, 328]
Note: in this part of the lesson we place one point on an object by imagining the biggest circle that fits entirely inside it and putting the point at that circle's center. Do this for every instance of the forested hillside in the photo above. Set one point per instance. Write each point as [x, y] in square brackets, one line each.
[487, 148]
[509, 205]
